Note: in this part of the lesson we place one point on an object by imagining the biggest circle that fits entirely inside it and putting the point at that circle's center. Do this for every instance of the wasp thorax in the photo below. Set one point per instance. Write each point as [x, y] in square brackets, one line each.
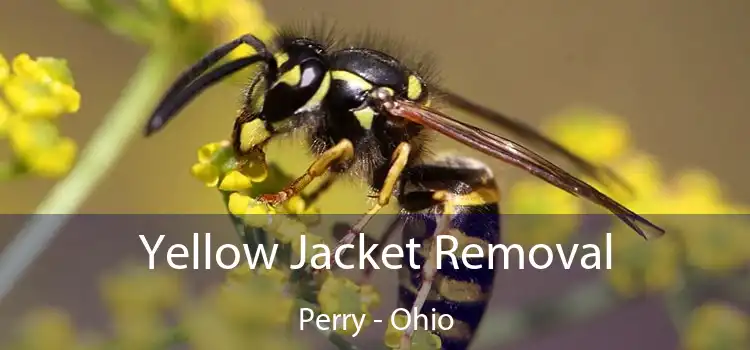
[382, 98]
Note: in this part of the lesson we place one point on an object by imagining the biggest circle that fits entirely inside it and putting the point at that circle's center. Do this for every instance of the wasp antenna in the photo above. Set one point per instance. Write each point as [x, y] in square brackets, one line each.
[643, 227]
[178, 101]
[180, 92]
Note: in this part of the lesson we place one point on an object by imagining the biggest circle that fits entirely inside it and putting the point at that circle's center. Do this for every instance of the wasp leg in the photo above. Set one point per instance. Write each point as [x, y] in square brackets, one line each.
[429, 269]
[369, 269]
[398, 163]
[315, 194]
[341, 152]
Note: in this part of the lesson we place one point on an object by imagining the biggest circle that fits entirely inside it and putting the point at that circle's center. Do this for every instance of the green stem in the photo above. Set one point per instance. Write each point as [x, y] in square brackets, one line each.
[104, 149]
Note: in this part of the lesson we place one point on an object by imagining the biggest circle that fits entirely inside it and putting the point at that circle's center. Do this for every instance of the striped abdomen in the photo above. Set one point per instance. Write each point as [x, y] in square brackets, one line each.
[459, 291]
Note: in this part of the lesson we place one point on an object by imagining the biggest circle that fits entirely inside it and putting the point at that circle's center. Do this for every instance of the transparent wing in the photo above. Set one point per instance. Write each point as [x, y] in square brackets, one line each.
[602, 174]
[519, 156]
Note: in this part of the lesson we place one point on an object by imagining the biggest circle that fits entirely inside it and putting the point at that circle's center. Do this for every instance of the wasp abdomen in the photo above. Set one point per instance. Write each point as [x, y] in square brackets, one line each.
[462, 284]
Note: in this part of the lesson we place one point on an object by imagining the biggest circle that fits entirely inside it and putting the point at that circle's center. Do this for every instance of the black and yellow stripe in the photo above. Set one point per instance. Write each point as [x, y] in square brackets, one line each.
[472, 197]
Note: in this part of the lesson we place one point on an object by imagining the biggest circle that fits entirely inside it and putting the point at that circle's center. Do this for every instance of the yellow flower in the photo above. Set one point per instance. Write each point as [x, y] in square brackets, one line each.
[211, 157]
[339, 295]
[5, 118]
[251, 309]
[206, 173]
[140, 290]
[640, 266]
[698, 192]
[273, 278]
[258, 301]
[137, 298]
[295, 205]
[39, 146]
[715, 242]
[690, 192]
[199, 10]
[394, 333]
[209, 331]
[217, 166]
[225, 20]
[242, 17]
[540, 213]
[713, 237]
[37, 91]
[239, 274]
[54, 161]
[254, 213]
[4, 69]
[370, 297]
[207, 152]
[644, 174]
[420, 339]
[41, 88]
[710, 242]
[235, 181]
[536, 197]
[289, 230]
[716, 326]
[239, 204]
[139, 330]
[43, 69]
[597, 136]
[48, 329]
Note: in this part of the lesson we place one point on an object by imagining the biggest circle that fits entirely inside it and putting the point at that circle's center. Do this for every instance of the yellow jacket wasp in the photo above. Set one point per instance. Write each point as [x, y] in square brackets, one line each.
[366, 113]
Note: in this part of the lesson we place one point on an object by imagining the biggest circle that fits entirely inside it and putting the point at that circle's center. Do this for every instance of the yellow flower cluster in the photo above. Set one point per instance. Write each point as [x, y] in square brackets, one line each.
[136, 299]
[604, 139]
[36, 93]
[539, 213]
[229, 18]
[339, 295]
[709, 242]
[252, 307]
[217, 167]
[702, 232]
[52, 329]
[643, 267]
[595, 136]
[715, 326]
[420, 339]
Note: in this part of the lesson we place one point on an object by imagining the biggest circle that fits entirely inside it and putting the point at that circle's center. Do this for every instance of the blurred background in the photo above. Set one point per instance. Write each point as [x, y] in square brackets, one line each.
[675, 72]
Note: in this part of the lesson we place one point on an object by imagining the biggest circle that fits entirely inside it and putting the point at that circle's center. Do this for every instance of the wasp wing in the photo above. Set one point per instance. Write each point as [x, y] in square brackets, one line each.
[528, 133]
[519, 156]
